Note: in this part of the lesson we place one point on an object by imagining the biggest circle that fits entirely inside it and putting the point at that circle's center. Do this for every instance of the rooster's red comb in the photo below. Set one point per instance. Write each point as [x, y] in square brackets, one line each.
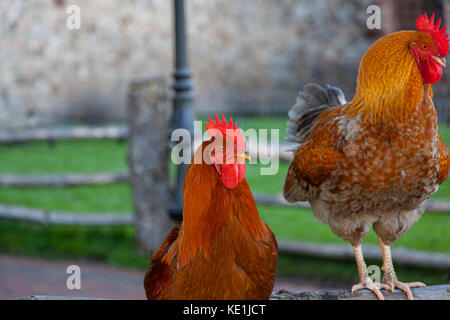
[221, 126]
[439, 36]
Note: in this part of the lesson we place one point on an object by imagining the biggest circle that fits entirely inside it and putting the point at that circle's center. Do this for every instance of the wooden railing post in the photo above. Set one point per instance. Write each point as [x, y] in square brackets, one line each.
[148, 113]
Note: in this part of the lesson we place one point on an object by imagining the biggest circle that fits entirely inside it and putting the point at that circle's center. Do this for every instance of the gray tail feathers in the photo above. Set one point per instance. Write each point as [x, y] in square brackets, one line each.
[311, 101]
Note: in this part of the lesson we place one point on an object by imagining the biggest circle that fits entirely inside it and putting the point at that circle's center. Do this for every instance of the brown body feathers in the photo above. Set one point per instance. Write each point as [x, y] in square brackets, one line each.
[221, 250]
[376, 160]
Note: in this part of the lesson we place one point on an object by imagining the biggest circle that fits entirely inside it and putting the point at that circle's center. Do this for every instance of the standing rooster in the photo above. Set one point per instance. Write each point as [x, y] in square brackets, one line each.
[375, 160]
[222, 249]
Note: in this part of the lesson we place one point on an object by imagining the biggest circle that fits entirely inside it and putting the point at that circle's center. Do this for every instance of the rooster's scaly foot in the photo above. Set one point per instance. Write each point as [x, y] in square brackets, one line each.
[405, 287]
[372, 286]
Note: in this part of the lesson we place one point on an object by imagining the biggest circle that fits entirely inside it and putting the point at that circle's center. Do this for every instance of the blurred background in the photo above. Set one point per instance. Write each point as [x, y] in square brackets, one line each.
[248, 60]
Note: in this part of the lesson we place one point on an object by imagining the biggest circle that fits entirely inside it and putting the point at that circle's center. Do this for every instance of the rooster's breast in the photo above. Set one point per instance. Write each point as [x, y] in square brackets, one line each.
[384, 168]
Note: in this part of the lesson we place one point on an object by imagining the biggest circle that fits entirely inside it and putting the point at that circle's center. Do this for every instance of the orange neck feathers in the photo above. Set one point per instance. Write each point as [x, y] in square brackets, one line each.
[207, 206]
[389, 84]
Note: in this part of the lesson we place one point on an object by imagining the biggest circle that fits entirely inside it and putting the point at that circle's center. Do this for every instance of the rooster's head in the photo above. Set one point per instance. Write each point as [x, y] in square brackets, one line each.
[430, 52]
[395, 70]
[227, 151]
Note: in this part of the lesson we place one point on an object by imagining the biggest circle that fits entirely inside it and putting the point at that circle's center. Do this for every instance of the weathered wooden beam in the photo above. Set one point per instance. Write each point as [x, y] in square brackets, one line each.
[439, 292]
[62, 218]
[62, 180]
[99, 178]
[438, 206]
[148, 114]
[284, 151]
[115, 132]
[278, 201]
[435, 206]
[401, 256]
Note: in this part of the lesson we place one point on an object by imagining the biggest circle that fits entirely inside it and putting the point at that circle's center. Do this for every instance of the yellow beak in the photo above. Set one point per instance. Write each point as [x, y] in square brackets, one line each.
[243, 155]
[440, 60]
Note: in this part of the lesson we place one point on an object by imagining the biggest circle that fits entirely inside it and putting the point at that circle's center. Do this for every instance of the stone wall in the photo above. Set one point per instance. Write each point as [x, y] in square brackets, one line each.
[245, 55]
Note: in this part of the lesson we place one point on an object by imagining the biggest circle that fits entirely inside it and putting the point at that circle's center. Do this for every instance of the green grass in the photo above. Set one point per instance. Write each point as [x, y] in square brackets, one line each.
[429, 234]
[66, 156]
[116, 245]
[107, 198]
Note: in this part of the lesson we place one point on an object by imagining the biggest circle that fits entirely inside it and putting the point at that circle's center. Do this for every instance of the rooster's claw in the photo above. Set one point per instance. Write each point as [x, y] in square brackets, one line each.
[372, 286]
[405, 287]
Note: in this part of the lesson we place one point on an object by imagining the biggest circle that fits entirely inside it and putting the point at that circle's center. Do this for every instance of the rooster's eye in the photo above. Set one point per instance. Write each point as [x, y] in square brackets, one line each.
[424, 46]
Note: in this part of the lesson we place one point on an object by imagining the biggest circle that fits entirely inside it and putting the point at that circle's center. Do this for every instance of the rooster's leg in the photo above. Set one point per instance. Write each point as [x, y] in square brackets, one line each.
[366, 281]
[390, 278]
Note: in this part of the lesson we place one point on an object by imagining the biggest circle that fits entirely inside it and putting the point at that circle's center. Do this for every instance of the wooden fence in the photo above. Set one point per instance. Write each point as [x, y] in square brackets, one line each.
[102, 178]
[122, 132]
[338, 252]
[116, 132]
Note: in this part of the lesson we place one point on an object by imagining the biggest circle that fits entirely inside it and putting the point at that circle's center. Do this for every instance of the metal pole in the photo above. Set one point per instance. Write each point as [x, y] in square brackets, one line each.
[182, 114]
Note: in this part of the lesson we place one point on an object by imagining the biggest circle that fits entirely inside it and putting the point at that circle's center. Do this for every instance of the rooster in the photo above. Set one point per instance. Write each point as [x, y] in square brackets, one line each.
[222, 249]
[374, 161]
